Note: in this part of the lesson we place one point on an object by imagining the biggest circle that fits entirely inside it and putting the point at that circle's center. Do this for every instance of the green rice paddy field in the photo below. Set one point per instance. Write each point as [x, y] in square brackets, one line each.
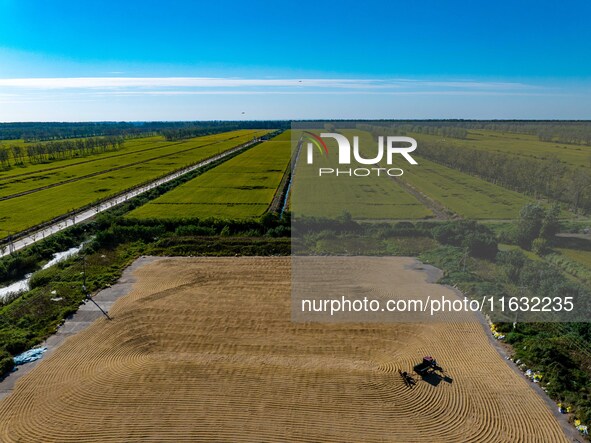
[139, 163]
[364, 198]
[386, 198]
[242, 187]
[467, 196]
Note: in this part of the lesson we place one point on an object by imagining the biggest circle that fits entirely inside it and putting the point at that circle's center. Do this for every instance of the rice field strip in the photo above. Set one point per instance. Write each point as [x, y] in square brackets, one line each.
[192, 199]
[282, 190]
[105, 171]
[371, 198]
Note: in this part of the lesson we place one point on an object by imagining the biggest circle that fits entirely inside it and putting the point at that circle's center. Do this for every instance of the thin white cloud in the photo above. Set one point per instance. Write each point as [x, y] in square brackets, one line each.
[173, 82]
[324, 92]
[131, 83]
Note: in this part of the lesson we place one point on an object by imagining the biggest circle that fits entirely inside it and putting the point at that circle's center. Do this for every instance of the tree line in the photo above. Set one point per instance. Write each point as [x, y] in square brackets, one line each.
[186, 130]
[184, 133]
[404, 128]
[45, 131]
[574, 132]
[57, 150]
[571, 132]
[548, 177]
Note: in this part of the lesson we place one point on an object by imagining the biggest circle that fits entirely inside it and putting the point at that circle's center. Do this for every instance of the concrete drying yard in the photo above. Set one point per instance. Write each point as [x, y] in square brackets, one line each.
[203, 349]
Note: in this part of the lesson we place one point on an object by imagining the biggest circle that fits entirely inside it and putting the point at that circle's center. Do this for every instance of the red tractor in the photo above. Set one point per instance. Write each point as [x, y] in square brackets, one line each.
[428, 365]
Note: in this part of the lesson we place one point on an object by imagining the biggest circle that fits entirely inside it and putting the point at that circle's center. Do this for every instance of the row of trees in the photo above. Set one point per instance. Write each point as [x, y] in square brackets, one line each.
[578, 135]
[572, 132]
[183, 130]
[575, 132]
[44, 131]
[41, 152]
[184, 133]
[4, 158]
[403, 128]
[58, 150]
[547, 177]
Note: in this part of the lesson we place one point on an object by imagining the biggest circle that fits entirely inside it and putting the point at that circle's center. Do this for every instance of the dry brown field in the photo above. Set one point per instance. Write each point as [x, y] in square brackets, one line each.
[203, 349]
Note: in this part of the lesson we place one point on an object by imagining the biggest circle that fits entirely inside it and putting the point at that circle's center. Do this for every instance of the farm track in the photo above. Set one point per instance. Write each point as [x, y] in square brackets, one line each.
[105, 171]
[203, 349]
[438, 209]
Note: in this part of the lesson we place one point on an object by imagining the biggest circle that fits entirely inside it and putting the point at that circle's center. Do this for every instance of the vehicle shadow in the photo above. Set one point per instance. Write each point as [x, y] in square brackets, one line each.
[434, 378]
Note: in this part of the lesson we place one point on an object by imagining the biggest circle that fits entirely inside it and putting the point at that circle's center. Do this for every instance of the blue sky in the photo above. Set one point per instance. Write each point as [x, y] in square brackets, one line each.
[176, 60]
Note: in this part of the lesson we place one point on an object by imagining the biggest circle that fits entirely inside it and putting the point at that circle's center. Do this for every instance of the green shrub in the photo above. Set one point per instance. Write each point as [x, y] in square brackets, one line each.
[6, 363]
[194, 230]
[508, 234]
[44, 277]
[478, 239]
[13, 341]
[540, 246]
[511, 262]
[481, 245]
